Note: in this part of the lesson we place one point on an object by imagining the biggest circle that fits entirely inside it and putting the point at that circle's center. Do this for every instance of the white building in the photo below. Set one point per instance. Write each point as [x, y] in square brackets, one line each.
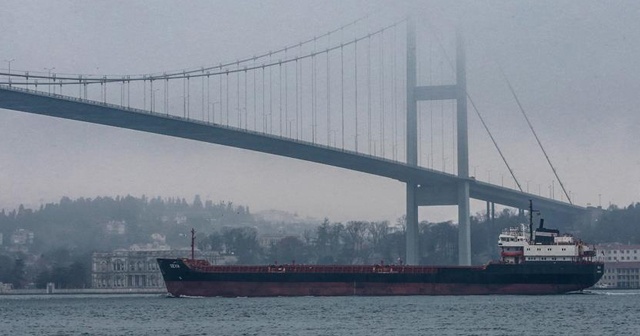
[137, 269]
[621, 266]
[115, 227]
[22, 237]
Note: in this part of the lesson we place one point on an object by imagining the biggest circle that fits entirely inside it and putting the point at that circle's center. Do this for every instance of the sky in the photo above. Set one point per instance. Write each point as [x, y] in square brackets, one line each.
[573, 65]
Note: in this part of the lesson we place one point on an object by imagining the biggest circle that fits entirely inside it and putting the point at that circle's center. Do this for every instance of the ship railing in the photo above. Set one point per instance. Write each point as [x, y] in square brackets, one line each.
[406, 269]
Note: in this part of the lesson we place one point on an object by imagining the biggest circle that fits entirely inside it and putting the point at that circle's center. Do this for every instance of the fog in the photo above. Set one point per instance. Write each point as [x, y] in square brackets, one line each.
[573, 64]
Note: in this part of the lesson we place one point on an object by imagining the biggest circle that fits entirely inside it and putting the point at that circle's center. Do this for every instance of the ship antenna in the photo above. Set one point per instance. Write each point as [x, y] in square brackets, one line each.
[193, 240]
[530, 220]
[531, 211]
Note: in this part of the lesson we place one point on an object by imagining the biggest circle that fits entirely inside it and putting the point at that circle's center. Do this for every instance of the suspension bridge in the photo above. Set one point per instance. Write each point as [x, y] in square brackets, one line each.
[344, 98]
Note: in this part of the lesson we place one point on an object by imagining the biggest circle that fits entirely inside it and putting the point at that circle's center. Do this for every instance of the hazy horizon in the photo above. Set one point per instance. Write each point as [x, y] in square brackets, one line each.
[573, 65]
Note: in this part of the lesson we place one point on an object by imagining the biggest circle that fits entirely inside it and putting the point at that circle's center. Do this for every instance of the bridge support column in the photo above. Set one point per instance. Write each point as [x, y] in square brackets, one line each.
[412, 234]
[491, 216]
[464, 225]
[464, 233]
[488, 211]
[456, 92]
[411, 217]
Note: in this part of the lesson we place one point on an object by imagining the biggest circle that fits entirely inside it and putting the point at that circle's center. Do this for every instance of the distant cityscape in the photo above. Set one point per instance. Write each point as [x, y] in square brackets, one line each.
[112, 243]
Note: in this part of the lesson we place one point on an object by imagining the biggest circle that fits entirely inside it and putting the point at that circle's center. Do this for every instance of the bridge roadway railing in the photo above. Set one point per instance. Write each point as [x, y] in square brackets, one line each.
[300, 144]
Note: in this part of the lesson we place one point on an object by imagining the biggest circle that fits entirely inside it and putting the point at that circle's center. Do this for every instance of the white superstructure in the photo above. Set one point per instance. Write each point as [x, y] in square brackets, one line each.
[547, 245]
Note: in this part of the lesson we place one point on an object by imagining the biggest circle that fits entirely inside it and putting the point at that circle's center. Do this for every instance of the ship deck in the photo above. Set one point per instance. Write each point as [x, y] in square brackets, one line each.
[205, 267]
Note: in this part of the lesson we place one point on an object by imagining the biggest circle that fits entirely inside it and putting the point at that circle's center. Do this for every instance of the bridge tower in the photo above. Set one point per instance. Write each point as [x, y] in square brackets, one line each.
[425, 193]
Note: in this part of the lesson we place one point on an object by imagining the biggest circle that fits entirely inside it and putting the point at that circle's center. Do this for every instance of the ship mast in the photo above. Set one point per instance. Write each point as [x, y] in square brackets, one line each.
[530, 221]
[193, 240]
[531, 211]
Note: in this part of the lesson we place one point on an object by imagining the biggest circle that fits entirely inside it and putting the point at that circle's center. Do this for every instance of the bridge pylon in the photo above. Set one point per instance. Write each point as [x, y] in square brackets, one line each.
[427, 193]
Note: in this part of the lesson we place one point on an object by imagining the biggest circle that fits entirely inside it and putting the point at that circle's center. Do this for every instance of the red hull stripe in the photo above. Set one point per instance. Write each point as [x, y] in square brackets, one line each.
[236, 289]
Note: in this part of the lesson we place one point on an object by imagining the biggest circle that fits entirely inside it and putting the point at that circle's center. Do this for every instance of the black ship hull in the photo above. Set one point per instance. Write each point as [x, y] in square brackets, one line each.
[183, 278]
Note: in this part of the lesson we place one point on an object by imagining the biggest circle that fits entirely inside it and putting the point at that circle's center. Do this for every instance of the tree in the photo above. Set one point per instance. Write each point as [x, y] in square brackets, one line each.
[289, 249]
[328, 247]
[438, 243]
[377, 231]
[243, 243]
[355, 239]
[323, 239]
[392, 246]
[213, 242]
[197, 203]
[43, 278]
[18, 274]
[78, 275]
[6, 269]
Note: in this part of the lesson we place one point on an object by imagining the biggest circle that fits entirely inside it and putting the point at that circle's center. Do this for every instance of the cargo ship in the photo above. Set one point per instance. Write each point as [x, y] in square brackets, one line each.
[532, 262]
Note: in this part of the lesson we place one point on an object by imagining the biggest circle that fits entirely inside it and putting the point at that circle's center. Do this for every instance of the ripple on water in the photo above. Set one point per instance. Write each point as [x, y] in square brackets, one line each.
[605, 313]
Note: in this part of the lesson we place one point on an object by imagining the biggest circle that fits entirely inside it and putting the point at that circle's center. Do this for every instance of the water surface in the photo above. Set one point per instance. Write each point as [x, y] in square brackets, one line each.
[594, 313]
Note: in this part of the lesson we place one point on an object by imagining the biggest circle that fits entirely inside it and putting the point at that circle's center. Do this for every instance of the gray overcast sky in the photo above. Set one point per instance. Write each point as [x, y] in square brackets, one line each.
[574, 65]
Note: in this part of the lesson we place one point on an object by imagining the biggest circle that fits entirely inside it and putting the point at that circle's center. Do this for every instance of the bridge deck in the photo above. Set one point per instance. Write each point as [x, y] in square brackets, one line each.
[112, 115]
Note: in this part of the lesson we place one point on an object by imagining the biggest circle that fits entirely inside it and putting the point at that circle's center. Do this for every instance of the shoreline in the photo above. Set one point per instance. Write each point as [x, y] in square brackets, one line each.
[44, 291]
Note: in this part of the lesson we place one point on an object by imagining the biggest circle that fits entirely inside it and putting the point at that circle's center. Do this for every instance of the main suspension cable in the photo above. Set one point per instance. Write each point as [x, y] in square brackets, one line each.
[475, 108]
[515, 96]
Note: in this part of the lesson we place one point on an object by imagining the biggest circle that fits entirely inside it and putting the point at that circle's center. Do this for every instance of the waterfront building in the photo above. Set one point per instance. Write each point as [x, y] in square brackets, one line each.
[114, 227]
[137, 268]
[267, 240]
[22, 237]
[621, 266]
[20, 241]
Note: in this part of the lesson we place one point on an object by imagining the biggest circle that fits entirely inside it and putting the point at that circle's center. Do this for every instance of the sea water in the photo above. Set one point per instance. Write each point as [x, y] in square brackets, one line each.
[590, 313]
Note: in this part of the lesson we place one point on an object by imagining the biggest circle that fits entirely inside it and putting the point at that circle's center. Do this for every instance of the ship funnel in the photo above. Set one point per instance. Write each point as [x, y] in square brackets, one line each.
[541, 223]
